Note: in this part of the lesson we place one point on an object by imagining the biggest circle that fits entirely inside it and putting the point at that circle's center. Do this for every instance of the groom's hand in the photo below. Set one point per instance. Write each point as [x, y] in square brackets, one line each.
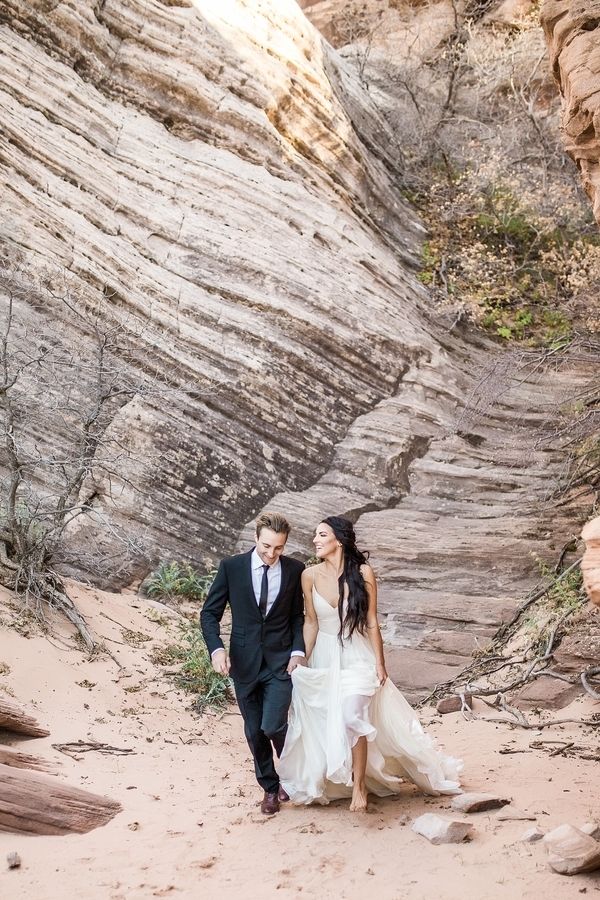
[294, 662]
[220, 662]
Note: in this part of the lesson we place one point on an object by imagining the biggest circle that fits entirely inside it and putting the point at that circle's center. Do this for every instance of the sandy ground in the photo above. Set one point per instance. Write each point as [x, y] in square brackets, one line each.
[190, 825]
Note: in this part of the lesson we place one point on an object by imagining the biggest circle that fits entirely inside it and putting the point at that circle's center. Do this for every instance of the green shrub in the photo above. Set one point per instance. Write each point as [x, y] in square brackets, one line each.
[566, 594]
[176, 581]
[197, 675]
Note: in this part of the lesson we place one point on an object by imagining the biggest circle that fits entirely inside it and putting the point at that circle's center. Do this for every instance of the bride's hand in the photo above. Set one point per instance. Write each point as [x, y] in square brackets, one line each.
[381, 673]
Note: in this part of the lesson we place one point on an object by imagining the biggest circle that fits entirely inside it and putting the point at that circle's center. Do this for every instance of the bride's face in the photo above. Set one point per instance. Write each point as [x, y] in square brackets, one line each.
[325, 541]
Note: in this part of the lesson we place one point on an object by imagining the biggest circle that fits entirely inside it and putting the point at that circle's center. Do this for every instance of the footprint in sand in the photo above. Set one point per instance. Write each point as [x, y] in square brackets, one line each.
[333, 865]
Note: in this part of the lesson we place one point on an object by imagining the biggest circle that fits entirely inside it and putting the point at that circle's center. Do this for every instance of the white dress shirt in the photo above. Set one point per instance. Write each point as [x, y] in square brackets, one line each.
[273, 578]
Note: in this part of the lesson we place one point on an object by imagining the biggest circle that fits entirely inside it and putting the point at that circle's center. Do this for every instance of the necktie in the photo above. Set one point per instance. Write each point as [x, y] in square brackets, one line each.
[264, 592]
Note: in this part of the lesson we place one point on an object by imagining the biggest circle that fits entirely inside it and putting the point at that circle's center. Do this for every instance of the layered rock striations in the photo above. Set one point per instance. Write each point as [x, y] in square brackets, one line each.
[222, 176]
[201, 171]
[454, 503]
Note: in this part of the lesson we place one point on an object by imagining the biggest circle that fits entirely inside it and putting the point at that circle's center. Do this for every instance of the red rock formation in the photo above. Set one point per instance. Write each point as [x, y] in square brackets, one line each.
[590, 565]
[573, 33]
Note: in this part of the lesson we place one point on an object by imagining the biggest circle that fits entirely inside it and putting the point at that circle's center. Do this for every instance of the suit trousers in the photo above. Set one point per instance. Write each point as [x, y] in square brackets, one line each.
[265, 713]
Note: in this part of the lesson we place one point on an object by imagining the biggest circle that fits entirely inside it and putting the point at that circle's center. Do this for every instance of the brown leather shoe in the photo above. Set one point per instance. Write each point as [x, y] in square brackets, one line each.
[270, 804]
[282, 795]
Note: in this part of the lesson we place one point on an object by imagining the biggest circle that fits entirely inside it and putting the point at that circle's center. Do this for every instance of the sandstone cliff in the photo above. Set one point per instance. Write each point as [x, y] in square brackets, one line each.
[225, 177]
[571, 30]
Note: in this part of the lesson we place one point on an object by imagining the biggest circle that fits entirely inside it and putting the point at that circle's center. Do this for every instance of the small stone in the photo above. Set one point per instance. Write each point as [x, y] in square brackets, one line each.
[439, 830]
[453, 704]
[591, 828]
[472, 802]
[13, 860]
[512, 814]
[571, 851]
[532, 835]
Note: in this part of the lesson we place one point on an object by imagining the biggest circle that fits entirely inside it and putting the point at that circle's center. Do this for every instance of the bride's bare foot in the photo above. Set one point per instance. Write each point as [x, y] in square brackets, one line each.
[359, 798]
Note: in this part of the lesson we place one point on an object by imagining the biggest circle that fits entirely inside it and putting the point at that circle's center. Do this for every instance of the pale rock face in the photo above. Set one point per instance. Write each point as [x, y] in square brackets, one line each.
[217, 171]
[201, 169]
[573, 36]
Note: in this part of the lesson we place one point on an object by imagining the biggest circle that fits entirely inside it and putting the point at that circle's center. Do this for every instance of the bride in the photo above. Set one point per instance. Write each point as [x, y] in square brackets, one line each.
[350, 730]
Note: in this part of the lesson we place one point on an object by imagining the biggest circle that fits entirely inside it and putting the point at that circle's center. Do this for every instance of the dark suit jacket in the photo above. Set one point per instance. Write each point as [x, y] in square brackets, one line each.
[252, 638]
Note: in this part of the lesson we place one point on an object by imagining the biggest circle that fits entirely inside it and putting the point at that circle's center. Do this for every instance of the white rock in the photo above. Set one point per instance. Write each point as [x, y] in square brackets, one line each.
[570, 850]
[473, 802]
[532, 835]
[512, 814]
[593, 829]
[440, 830]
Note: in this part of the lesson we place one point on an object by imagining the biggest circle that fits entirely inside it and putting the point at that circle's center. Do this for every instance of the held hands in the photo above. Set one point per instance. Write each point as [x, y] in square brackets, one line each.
[294, 662]
[220, 662]
[381, 673]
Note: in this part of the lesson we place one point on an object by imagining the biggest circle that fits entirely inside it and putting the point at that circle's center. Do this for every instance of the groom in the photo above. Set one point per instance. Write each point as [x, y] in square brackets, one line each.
[263, 590]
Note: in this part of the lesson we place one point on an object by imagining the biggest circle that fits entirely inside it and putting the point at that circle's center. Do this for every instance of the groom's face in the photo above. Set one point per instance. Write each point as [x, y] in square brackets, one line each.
[270, 545]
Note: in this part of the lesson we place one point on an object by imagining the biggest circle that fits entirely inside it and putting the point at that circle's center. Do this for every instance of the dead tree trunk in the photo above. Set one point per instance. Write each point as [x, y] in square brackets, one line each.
[36, 804]
[23, 760]
[13, 718]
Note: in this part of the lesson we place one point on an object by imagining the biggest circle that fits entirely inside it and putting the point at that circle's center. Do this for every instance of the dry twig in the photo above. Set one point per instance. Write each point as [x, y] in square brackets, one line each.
[74, 747]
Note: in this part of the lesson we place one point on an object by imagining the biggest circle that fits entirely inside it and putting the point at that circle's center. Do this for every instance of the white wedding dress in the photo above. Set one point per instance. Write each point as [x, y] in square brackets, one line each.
[336, 699]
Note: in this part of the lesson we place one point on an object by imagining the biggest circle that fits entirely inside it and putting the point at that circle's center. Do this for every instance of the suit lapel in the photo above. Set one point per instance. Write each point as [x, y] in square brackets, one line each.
[245, 583]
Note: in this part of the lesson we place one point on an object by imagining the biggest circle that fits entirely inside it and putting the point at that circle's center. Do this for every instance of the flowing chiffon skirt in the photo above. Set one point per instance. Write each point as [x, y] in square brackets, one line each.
[336, 700]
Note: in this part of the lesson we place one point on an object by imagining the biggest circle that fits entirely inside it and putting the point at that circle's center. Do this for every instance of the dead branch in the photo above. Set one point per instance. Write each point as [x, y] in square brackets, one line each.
[589, 673]
[500, 703]
[74, 747]
[559, 750]
[534, 597]
[589, 723]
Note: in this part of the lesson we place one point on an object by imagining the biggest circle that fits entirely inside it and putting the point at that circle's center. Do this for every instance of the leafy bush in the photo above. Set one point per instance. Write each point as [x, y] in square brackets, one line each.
[176, 581]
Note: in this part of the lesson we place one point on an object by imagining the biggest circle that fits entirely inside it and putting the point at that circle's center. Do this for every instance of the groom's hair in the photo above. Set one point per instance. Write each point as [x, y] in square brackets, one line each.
[275, 521]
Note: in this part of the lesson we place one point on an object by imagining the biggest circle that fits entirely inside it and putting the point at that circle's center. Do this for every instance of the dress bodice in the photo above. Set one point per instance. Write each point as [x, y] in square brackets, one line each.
[327, 615]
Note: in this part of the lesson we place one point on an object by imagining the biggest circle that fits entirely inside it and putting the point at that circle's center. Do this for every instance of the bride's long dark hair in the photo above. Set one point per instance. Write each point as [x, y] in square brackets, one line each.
[358, 598]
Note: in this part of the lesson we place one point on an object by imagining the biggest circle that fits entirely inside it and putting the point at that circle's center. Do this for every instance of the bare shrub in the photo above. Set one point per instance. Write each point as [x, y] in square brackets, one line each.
[69, 366]
[473, 115]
